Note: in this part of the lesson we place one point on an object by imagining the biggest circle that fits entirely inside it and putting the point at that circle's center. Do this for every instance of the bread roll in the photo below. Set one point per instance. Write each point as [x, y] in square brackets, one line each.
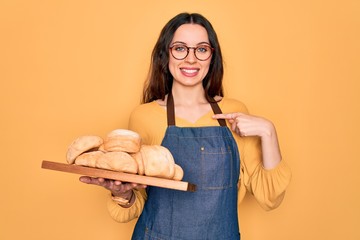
[138, 158]
[117, 161]
[89, 159]
[179, 173]
[81, 145]
[122, 151]
[158, 161]
[122, 140]
[101, 148]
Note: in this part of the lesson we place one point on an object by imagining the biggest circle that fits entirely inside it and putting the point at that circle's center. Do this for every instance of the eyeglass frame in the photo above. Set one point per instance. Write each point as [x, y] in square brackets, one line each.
[188, 51]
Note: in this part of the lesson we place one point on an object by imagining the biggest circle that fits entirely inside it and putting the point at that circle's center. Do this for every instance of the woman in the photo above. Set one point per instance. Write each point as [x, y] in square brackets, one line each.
[184, 110]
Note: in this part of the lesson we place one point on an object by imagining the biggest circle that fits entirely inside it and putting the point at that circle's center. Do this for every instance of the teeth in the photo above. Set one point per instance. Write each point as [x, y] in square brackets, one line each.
[189, 70]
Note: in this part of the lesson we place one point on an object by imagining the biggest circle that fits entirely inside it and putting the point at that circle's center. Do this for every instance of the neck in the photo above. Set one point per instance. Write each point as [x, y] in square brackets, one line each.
[188, 96]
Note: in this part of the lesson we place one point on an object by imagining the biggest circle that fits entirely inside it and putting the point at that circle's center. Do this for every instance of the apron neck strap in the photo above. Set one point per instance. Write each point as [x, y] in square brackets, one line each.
[170, 109]
[216, 109]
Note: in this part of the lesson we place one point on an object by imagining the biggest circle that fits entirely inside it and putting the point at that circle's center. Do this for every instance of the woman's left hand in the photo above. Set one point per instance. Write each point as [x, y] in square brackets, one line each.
[247, 125]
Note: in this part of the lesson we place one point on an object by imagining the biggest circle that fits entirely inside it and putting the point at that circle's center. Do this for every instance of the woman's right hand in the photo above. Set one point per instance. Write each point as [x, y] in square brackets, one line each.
[116, 187]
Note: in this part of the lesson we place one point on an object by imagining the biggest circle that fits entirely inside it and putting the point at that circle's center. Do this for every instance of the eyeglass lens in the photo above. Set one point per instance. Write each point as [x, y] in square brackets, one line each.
[180, 52]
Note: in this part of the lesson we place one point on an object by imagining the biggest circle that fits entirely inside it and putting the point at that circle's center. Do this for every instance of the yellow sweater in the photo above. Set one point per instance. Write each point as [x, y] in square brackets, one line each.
[268, 186]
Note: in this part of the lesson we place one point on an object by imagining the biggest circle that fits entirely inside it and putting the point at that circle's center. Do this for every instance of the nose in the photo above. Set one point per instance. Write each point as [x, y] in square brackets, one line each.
[191, 58]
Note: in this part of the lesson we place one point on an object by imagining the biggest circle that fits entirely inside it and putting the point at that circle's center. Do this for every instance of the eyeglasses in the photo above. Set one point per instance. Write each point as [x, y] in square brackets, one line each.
[181, 51]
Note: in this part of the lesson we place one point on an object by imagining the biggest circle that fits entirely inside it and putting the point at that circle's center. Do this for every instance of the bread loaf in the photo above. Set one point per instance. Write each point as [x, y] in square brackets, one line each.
[118, 161]
[122, 151]
[157, 161]
[138, 158]
[89, 159]
[81, 145]
[122, 140]
[115, 161]
[179, 173]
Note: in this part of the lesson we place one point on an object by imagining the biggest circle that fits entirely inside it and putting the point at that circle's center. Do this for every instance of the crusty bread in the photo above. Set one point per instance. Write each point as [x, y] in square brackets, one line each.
[89, 159]
[81, 145]
[118, 161]
[122, 140]
[101, 148]
[157, 161]
[179, 173]
[138, 158]
[122, 151]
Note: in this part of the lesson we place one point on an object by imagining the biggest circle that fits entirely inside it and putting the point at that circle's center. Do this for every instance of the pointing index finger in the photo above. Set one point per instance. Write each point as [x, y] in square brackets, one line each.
[225, 116]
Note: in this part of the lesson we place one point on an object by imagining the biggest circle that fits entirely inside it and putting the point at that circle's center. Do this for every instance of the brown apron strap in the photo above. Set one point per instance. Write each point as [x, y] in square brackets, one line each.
[216, 109]
[170, 109]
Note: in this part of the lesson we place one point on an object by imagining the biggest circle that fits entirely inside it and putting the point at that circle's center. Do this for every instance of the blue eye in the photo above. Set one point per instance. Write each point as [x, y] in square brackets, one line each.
[203, 49]
[180, 48]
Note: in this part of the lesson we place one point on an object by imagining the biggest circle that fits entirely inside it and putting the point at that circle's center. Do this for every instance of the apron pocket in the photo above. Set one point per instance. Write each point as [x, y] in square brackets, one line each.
[216, 168]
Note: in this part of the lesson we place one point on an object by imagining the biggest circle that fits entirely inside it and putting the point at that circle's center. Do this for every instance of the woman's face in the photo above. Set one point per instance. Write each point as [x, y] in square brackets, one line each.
[189, 71]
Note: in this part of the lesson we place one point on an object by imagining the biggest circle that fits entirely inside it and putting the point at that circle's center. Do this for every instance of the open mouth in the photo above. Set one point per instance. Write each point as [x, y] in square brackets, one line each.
[190, 71]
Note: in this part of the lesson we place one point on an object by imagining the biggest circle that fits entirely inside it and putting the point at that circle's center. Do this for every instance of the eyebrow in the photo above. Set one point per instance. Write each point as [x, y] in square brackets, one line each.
[200, 43]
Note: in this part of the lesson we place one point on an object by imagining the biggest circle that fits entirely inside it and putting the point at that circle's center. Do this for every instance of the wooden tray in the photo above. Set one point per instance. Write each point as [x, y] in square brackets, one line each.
[121, 176]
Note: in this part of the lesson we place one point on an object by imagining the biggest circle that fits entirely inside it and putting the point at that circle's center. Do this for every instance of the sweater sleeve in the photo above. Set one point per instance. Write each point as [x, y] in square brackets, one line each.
[123, 215]
[151, 130]
[267, 186]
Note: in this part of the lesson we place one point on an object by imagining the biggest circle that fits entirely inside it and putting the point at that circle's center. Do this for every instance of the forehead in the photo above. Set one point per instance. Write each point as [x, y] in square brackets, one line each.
[191, 34]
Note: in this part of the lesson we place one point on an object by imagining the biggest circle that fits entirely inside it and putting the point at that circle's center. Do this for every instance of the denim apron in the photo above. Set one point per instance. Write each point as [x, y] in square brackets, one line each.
[210, 159]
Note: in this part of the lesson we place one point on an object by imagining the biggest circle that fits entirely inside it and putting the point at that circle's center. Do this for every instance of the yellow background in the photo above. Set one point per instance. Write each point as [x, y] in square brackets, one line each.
[69, 68]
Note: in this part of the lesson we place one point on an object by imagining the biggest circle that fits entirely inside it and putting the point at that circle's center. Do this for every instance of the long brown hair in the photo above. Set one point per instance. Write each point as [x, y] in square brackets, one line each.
[160, 80]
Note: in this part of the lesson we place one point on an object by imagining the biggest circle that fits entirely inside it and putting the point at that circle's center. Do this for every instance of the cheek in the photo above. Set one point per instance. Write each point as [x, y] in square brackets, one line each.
[206, 69]
[172, 67]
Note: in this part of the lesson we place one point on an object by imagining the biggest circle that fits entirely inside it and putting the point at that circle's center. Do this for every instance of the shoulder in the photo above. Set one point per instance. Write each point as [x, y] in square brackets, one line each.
[149, 120]
[148, 113]
[232, 105]
[144, 109]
